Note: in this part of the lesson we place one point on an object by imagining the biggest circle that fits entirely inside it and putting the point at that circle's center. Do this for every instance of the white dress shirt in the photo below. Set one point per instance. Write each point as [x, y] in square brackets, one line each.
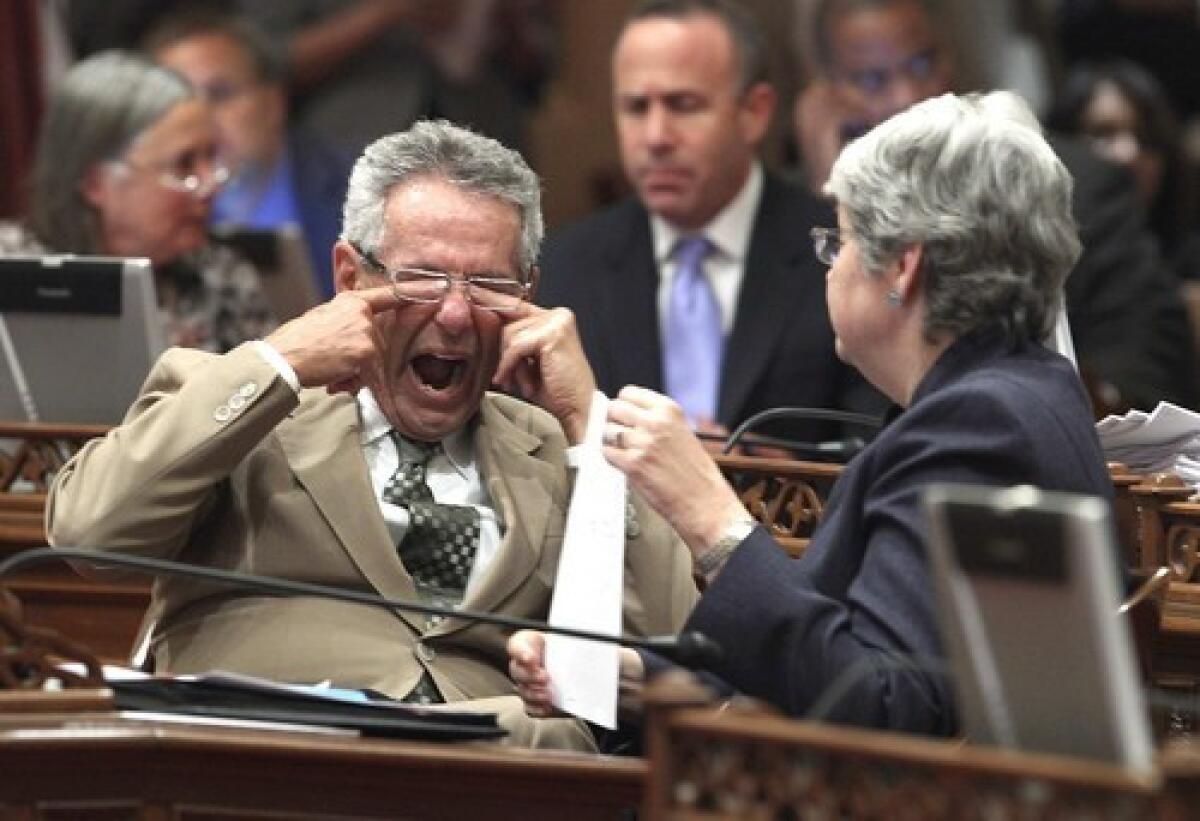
[452, 475]
[725, 266]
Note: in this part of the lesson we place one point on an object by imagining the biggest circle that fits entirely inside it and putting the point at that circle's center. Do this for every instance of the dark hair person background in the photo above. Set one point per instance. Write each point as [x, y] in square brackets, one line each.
[127, 165]
[954, 236]
[1122, 110]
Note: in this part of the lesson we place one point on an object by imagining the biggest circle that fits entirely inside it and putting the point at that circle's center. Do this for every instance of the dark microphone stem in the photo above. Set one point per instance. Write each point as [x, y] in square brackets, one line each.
[689, 649]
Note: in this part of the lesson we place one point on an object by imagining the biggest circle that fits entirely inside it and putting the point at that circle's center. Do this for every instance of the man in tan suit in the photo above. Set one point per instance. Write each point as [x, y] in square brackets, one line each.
[284, 456]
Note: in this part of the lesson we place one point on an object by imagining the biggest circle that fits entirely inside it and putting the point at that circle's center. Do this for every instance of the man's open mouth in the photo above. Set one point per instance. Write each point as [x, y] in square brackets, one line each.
[438, 372]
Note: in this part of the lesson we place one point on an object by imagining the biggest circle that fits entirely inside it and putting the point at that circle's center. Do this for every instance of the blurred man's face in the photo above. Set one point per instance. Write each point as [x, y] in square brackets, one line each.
[688, 134]
[886, 59]
[249, 113]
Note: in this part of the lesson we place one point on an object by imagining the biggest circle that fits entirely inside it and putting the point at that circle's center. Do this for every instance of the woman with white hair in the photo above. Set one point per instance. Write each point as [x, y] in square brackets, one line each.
[127, 166]
[954, 237]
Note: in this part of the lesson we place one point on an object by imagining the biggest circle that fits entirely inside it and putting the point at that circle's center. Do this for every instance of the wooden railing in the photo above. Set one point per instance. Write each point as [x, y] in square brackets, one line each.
[785, 495]
[745, 761]
[101, 615]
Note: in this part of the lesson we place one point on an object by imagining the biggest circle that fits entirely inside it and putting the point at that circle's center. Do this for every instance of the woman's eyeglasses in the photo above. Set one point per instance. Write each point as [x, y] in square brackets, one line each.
[198, 185]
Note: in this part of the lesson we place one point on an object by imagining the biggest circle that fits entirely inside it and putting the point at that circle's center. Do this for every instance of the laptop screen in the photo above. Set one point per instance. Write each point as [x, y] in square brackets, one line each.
[77, 337]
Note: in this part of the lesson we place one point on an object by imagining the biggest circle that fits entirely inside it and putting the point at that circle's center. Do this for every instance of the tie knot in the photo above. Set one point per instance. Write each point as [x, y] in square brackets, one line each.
[691, 251]
[411, 451]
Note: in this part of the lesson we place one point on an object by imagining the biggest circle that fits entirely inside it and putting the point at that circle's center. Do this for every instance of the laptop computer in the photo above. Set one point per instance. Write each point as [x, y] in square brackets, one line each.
[78, 335]
[1028, 595]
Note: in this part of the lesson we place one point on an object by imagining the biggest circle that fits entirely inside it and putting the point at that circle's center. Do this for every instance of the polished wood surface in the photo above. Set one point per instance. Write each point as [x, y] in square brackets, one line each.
[746, 762]
[103, 615]
[787, 496]
[97, 765]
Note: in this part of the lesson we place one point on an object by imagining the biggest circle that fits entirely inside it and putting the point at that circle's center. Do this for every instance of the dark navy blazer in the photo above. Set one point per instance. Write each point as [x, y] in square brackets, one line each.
[780, 350]
[988, 412]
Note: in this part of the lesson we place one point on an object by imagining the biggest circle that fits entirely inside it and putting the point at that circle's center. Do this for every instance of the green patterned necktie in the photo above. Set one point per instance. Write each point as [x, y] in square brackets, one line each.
[439, 546]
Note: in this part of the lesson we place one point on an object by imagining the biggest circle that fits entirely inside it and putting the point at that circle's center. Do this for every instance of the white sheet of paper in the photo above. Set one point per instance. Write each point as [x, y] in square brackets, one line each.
[590, 583]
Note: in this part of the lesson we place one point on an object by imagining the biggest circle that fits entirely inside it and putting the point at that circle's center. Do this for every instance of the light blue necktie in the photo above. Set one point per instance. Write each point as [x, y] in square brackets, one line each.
[694, 343]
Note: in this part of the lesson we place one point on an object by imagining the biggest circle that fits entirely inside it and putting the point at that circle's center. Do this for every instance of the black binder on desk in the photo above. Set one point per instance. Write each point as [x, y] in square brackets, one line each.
[226, 695]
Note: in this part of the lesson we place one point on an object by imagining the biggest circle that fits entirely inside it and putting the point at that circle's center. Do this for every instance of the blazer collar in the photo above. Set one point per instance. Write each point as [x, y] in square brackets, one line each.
[630, 303]
[522, 487]
[322, 445]
[779, 256]
[322, 442]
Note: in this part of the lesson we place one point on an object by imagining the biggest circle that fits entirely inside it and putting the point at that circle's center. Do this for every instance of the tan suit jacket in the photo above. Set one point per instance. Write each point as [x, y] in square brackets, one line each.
[218, 464]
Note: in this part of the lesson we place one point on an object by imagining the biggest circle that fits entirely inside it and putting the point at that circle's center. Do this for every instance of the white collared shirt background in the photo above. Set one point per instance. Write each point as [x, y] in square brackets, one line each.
[725, 266]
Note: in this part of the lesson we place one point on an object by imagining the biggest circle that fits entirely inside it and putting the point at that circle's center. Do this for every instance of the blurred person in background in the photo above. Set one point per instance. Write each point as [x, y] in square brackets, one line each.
[1130, 329]
[127, 165]
[702, 285]
[281, 175]
[359, 69]
[1122, 111]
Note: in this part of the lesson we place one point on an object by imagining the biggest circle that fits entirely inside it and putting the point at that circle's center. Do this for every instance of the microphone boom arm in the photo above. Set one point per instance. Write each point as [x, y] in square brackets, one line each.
[690, 648]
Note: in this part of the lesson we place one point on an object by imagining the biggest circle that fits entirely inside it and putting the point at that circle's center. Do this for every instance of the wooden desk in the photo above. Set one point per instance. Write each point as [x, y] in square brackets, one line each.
[102, 615]
[787, 496]
[98, 766]
[744, 762]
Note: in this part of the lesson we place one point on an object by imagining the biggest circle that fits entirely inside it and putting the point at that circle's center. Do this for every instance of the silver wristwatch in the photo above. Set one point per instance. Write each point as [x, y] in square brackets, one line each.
[734, 534]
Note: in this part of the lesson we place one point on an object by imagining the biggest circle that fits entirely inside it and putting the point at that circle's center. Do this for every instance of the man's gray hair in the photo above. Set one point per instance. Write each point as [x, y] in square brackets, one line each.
[99, 108]
[973, 182]
[436, 148]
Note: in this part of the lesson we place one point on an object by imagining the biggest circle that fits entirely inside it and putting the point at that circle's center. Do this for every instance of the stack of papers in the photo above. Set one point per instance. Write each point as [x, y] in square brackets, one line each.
[233, 699]
[1165, 440]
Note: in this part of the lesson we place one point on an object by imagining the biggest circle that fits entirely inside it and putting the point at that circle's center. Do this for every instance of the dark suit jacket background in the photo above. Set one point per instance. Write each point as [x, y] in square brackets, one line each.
[1128, 320]
[319, 177]
[780, 351]
[986, 413]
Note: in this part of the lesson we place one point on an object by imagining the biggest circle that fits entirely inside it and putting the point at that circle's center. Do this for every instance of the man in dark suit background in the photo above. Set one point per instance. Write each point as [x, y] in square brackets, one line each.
[282, 174]
[692, 104]
[1130, 329]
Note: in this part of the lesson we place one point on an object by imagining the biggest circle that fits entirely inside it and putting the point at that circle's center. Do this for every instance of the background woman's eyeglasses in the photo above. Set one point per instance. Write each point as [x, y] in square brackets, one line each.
[500, 294]
[827, 243]
[198, 185]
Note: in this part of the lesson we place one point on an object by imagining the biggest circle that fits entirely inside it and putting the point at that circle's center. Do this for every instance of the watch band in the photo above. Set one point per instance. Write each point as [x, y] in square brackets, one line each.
[734, 534]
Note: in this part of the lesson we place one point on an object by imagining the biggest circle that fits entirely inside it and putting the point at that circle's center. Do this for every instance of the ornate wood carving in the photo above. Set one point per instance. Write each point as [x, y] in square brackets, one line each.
[786, 496]
[29, 655]
[34, 452]
[745, 762]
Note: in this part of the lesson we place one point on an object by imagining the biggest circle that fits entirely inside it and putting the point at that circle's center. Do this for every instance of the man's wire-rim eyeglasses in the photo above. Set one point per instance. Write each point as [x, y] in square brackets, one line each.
[499, 294]
[827, 243]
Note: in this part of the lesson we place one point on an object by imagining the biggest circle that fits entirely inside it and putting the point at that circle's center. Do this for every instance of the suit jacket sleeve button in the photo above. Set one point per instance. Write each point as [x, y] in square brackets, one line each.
[222, 413]
[247, 390]
[425, 653]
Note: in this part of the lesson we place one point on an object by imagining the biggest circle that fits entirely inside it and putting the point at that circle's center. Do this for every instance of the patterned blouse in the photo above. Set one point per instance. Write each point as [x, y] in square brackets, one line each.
[208, 299]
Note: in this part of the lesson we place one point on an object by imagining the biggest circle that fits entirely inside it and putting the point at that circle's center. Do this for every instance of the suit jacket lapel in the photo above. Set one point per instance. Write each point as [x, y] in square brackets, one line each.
[521, 486]
[322, 445]
[776, 249]
[631, 308]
